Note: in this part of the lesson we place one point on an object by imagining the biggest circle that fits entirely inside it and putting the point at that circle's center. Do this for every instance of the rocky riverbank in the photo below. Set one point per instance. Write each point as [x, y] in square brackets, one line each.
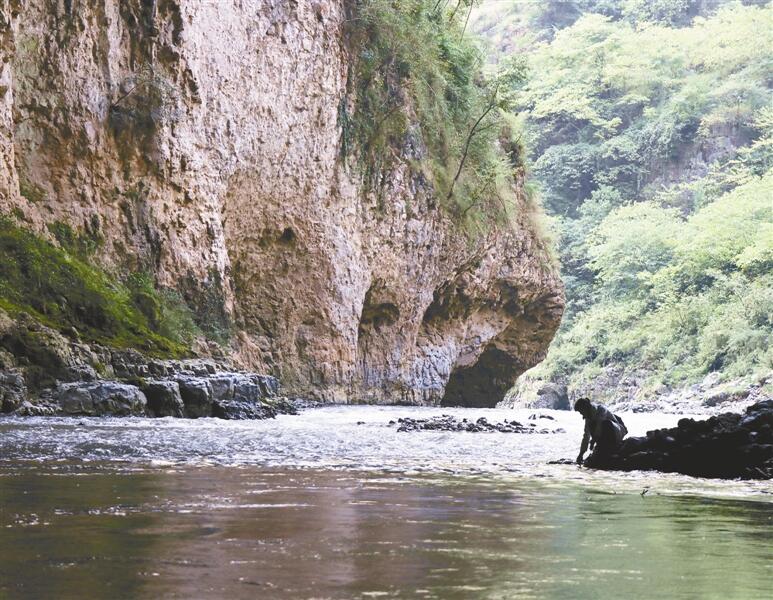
[43, 372]
[711, 396]
[184, 393]
[727, 446]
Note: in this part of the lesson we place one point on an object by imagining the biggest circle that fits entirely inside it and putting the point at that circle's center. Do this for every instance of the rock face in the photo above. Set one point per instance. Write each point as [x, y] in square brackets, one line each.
[729, 445]
[164, 398]
[13, 390]
[199, 141]
[100, 398]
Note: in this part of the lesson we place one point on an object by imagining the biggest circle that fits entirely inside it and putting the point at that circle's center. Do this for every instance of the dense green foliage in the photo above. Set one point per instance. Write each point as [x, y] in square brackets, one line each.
[651, 131]
[64, 292]
[420, 93]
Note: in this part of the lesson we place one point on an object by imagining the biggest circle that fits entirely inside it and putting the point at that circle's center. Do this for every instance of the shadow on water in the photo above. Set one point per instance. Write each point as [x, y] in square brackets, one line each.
[99, 531]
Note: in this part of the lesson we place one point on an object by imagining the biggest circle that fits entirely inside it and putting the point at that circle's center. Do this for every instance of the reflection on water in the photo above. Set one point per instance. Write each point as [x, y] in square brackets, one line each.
[320, 507]
[262, 533]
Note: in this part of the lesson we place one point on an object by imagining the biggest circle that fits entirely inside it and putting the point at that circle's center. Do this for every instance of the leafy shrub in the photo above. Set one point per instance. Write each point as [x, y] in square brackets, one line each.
[79, 244]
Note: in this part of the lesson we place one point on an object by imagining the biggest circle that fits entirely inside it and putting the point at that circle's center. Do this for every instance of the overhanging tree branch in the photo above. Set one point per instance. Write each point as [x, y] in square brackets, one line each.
[492, 104]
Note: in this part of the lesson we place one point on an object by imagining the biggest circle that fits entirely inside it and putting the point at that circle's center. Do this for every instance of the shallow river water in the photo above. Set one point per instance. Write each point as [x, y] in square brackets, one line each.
[335, 503]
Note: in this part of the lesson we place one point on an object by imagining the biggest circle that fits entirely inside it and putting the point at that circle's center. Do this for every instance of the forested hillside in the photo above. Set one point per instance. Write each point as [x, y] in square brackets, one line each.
[649, 127]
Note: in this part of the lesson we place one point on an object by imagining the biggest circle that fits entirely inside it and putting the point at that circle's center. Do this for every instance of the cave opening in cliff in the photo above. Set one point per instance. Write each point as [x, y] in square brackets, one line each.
[482, 384]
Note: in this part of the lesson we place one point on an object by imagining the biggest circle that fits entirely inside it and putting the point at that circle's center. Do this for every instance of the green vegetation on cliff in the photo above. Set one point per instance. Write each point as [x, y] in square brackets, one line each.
[650, 132]
[63, 291]
[419, 93]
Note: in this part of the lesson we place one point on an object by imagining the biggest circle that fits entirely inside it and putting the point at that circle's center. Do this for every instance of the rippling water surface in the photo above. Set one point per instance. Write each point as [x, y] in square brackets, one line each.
[335, 503]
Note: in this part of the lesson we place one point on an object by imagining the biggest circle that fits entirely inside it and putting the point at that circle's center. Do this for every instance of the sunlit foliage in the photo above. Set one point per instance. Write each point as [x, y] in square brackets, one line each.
[651, 133]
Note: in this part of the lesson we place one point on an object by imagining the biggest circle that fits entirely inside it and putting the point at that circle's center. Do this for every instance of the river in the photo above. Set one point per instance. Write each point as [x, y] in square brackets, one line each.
[335, 503]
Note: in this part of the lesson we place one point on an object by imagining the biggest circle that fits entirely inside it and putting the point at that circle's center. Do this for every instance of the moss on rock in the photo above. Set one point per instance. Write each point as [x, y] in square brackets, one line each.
[62, 292]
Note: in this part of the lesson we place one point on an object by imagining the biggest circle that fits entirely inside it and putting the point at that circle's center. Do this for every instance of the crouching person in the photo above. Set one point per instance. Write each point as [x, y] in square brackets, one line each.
[603, 430]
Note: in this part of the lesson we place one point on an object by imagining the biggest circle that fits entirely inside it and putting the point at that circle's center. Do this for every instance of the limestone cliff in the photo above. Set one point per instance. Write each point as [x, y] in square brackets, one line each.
[200, 141]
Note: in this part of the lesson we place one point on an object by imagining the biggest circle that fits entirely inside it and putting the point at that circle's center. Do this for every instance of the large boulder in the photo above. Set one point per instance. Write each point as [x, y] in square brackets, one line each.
[101, 398]
[243, 396]
[164, 398]
[552, 395]
[196, 393]
[240, 410]
[13, 390]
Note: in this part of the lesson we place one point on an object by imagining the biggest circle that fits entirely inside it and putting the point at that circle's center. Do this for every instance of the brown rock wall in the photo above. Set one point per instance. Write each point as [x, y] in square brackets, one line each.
[199, 141]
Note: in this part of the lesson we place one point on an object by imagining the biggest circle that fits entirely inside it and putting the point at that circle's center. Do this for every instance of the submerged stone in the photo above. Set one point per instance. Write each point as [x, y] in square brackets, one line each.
[449, 423]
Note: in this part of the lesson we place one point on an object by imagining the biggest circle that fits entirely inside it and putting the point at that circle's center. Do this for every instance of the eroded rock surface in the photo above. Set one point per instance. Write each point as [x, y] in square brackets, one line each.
[200, 141]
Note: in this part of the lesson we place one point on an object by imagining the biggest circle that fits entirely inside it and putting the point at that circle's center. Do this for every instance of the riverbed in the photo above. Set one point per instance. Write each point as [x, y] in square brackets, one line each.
[336, 503]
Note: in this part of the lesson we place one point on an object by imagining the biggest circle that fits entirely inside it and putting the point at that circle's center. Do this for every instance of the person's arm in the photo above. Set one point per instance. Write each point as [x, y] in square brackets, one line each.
[584, 445]
[620, 422]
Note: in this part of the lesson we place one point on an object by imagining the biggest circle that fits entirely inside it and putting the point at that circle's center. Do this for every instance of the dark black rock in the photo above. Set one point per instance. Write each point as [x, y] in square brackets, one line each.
[196, 393]
[164, 399]
[242, 409]
[726, 446]
[535, 416]
[552, 395]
